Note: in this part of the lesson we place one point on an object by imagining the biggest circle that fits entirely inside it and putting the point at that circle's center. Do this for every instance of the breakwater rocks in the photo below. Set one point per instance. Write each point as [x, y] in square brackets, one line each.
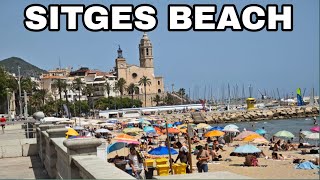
[248, 115]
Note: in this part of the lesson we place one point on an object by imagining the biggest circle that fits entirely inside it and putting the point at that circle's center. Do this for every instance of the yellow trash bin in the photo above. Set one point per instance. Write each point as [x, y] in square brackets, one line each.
[149, 162]
[181, 168]
[161, 161]
[163, 170]
[175, 168]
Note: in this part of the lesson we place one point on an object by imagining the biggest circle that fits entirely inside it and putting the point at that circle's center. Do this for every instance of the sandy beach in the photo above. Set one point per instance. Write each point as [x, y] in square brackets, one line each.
[275, 169]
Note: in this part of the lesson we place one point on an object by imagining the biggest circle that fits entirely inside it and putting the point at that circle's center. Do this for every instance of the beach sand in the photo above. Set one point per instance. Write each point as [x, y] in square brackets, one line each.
[276, 169]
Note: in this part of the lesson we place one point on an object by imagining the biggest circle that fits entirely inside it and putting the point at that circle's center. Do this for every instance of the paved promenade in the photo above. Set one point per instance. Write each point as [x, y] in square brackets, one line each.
[18, 167]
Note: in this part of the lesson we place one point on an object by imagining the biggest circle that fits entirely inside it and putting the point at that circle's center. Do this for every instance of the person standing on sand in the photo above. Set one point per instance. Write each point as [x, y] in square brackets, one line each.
[300, 136]
[3, 123]
[202, 157]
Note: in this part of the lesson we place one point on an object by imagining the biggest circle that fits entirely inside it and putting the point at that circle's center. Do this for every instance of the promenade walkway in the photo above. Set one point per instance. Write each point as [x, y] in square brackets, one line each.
[28, 167]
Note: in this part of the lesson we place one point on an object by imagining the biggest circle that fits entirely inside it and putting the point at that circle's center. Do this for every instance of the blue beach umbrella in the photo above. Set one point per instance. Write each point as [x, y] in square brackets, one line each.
[115, 146]
[247, 149]
[177, 123]
[149, 129]
[261, 131]
[218, 128]
[162, 150]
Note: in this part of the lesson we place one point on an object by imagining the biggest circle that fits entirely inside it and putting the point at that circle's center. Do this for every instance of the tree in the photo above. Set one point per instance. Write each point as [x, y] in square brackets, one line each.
[131, 89]
[77, 85]
[88, 91]
[61, 85]
[108, 88]
[145, 81]
[157, 99]
[182, 92]
[169, 100]
[120, 86]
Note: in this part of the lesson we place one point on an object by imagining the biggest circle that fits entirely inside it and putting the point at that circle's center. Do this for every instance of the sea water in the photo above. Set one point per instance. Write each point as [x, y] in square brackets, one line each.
[273, 126]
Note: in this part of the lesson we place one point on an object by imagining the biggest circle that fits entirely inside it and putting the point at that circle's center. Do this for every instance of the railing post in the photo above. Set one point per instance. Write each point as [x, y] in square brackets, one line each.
[50, 160]
[77, 147]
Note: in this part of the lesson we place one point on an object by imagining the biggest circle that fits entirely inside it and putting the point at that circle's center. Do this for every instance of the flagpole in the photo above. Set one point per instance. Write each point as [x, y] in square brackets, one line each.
[169, 147]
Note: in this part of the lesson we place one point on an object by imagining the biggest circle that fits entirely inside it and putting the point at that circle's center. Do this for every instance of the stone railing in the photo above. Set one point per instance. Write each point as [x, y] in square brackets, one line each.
[73, 158]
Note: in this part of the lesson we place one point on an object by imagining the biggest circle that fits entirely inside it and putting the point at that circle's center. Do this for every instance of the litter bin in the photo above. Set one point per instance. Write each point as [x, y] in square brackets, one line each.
[163, 170]
[149, 173]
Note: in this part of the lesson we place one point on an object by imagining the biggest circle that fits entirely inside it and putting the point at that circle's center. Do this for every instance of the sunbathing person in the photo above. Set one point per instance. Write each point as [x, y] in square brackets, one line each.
[215, 155]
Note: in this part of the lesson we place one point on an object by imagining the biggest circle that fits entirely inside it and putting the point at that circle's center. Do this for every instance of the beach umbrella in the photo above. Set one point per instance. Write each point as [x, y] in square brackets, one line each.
[177, 123]
[203, 126]
[305, 133]
[285, 134]
[247, 149]
[315, 129]
[219, 128]
[261, 131]
[214, 133]
[103, 131]
[144, 122]
[162, 150]
[244, 134]
[313, 136]
[152, 134]
[260, 141]
[124, 137]
[231, 126]
[78, 128]
[171, 131]
[72, 132]
[115, 146]
[306, 165]
[132, 130]
[230, 130]
[149, 129]
[252, 137]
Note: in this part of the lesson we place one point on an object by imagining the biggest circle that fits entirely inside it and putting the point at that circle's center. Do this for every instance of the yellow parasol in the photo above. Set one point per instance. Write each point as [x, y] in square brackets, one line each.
[214, 133]
[252, 137]
[72, 132]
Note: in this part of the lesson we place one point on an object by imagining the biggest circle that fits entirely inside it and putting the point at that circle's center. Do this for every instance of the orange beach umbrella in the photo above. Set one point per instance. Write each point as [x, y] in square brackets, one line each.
[214, 133]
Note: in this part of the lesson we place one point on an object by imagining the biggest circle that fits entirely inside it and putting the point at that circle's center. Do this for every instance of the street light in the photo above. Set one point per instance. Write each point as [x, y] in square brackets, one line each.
[19, 83]
[8, 99]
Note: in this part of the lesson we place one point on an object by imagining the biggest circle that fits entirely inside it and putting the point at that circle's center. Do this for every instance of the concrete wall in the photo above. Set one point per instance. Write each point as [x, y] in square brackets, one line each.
[73, 158]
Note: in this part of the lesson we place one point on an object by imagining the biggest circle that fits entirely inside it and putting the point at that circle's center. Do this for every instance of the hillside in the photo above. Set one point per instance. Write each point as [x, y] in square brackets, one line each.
[27, 69]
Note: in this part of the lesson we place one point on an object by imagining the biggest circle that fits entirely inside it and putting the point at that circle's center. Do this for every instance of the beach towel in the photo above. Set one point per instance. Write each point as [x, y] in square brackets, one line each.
[306, 165]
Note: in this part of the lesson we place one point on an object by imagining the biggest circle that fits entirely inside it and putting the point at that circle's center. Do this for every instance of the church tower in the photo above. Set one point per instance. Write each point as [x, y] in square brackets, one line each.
[145, 52]
[121, 64]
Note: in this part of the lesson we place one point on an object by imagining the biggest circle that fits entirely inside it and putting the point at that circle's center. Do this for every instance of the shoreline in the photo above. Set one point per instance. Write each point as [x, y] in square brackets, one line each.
[217, 117]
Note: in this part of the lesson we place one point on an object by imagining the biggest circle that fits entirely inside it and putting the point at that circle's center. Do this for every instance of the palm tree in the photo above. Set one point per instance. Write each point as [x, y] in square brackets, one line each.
[120, 86]
[145, 81]
[157, 99]
[131, 89]
[88, 91]
[108, 88]
[77, 85]
[57, 84]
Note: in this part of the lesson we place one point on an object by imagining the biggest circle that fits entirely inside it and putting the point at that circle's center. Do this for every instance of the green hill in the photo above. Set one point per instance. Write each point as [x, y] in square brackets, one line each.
[27, 69]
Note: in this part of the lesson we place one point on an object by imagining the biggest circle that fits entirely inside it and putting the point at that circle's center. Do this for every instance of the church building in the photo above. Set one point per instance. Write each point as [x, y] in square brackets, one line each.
[133, 73]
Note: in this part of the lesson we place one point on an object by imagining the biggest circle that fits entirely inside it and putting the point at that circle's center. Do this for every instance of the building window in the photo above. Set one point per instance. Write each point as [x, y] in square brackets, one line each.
[147, 52]
[158, 82]
[134, 75]
[159, 90]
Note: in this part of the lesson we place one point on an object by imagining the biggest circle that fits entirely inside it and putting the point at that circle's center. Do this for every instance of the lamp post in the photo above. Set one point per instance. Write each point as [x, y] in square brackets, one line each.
[8, 101]
[19, 83]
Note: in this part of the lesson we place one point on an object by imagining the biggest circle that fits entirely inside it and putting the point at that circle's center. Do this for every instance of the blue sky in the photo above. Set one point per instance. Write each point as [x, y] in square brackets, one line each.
[267, 60]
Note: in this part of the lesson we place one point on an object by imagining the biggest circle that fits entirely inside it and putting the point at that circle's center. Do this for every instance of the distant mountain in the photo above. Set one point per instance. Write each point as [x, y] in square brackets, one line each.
[27, 69]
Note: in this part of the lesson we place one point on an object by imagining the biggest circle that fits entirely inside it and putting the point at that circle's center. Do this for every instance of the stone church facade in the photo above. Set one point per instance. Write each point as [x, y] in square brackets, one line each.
[133, 73]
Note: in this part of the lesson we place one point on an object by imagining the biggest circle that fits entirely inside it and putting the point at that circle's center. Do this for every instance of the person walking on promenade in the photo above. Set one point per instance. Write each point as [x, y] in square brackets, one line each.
[3, 123]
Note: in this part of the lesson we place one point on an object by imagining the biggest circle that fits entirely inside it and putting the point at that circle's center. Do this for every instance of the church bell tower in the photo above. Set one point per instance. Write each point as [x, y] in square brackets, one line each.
[145, 52]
